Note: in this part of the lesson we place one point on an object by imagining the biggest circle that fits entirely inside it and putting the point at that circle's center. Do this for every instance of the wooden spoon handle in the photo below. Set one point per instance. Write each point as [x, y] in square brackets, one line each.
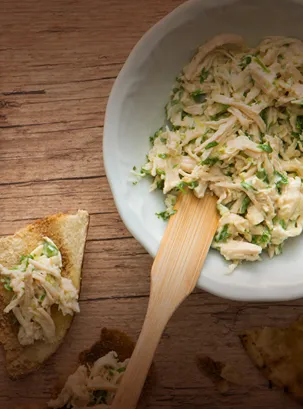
[175, 271]
[131, 386]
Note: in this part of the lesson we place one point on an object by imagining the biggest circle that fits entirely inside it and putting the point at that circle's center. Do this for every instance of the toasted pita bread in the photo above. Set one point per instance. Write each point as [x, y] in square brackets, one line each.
[68, 231]
[278, 353]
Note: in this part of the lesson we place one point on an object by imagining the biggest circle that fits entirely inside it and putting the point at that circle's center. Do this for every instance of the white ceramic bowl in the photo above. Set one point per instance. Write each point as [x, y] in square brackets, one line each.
[136, 110]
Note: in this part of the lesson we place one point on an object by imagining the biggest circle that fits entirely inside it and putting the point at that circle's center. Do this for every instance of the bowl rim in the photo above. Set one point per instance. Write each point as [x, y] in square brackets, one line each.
[272, 293]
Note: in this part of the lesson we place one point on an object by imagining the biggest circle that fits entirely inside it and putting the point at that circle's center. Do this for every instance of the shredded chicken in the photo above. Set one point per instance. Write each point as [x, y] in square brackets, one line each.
[235, 128]
[92, 387]
[37, 284]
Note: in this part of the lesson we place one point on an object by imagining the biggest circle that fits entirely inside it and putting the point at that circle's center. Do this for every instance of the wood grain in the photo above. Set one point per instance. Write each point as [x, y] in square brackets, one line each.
[58, 62]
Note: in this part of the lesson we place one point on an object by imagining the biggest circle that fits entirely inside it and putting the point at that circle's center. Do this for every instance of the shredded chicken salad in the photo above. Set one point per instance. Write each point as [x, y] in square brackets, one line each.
[235, 128]
[37, 284]
[94, 386]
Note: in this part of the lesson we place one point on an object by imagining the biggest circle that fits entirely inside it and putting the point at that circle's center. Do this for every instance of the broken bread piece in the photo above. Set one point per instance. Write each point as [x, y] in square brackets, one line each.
[278, 353]
[96, 380]
[40, 272]
[220, 373]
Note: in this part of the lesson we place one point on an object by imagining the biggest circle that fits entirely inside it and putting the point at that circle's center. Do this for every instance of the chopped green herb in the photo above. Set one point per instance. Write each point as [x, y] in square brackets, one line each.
[162, 155]
[265, 147]
[245, 204]
[174, 102]
[245, 61]
[24, 260]
[279, 249]
[280, 57]
[210, 161]
[160, 184]
[145, 171]
[49, 249]
[247, 186]
[135, 183]
[263, 240]
[296, 135]
[122, 369]
[262, 175]
[198, 96]
[193, 185]
[163, 140]
[299, 123]
[204, 75]
[223, 235]
[177, 164]
[263, 114]
[181, 186]
[262, 65]
[42, 297]
[160, 172]
[166, 215]
[175, 128]
[211, 145]
[155, 136]
[184, 114]
[282, 180]
[99, 398]
[6, 283]
[134, 168]
[222, 112]
[283, 224]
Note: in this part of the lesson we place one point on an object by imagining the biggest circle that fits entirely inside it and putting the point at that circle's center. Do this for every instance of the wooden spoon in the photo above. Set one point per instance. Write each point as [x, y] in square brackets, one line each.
[174, 274]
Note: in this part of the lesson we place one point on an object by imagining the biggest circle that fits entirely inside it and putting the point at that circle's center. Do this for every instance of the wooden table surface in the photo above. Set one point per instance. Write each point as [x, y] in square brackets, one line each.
[59, 60]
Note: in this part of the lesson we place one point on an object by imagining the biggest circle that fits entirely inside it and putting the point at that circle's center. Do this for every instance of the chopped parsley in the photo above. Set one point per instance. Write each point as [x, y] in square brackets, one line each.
[245, 204]
[122, 369]
[99, 398]
[49, 249]
[193, 185]
[160, 184]
[247, 186]
[263, 115]
[198, 96]
[162, 155]
[223, 235]
[211, 145]
[246, 60]
[6, 283]
[262, 65]
[210, 161]
[42, 297]
[262, 175]
[155, 136]
[263, 240]
[265, 147]
[283, 224]
[166, 214]
[282, 180]
[204, 75]
[24, 261]
[299, 123]
[222, 112]
[181, 186]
